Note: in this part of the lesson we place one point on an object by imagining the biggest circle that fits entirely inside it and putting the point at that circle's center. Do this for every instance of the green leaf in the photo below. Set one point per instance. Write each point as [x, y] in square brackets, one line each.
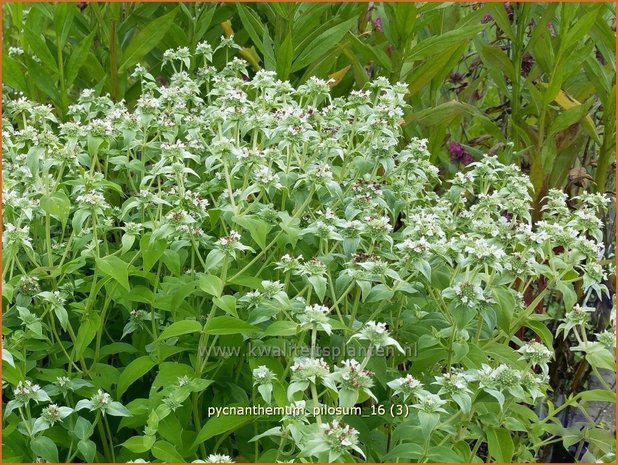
[568, 294]
[281, 328]
[500, 443]
[496, 59]
[319, 285]
[171, 259]
[211, 284]
[63, 21]
[82, 429]
[227, 303]
[602, 359]
[428, 422]
[57, 205]
[166, 452]
[256, 227]
[127, 242]
[505, 308]
[214, 257]
[139, 444]
[116, 409]
[134, 370]
[581, 27]
[598, 395]
[224, 325]
[115, 268]
[42, 80]
[449, 113]
[379, 293]
[428, 47]
[36, 41]
[256, 31]
[78, 58]
[404, 452]
[88, 449]
[180, 328]
[423, 74]
[12, 74]
[347, 397]
[86, 333]
[499, 14]
[370, 53]
[146, 39]
[284, 58]
[152, 250]
[46, 448]
[219, 425]
[322, 44]
[404, 19]
[446, 454]
[62, 315]
[543, 331]
[169, 372]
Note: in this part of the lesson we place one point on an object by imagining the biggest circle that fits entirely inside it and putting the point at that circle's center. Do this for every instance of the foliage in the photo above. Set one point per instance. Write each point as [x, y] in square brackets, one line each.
[236, 242]
[533, 82]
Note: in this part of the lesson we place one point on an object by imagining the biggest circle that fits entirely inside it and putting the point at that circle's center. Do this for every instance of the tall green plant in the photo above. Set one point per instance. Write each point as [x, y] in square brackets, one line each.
[534, 82]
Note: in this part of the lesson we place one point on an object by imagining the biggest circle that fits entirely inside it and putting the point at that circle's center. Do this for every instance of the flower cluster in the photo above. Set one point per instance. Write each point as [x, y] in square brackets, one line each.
[377, 335]
[226, 205]
[309, 369]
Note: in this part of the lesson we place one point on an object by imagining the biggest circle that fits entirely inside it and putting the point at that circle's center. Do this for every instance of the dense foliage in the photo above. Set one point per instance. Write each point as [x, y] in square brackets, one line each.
[534, 82]
[234, 241]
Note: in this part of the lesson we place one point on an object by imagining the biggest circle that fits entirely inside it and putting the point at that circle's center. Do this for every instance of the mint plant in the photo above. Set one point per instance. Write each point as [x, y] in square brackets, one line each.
[239, 270]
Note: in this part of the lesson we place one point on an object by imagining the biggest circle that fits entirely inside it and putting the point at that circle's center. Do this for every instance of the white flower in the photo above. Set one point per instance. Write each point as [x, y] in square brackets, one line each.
[315, 316]
[341, 437]
[216, 458]
[262, 375]
[308, 369]
[607, 338]
[377, 335]
[535, 353]
[429, 403]
[406, 386]
[15, 51]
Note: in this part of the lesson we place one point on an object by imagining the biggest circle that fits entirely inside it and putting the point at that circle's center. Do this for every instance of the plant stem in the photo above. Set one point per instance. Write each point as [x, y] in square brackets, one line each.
[110, 437]
[113, 60]
[103, 436]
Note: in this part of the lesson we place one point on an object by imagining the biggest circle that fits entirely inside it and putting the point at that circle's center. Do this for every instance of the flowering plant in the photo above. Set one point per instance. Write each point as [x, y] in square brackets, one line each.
[155, 274]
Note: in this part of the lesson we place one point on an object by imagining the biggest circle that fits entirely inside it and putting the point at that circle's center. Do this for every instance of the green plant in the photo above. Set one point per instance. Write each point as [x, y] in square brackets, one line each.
[56, 50]
[534, 83]
[175, 272]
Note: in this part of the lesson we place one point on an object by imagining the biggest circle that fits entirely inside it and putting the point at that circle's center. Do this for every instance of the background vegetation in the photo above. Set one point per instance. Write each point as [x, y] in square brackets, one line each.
[534, 82]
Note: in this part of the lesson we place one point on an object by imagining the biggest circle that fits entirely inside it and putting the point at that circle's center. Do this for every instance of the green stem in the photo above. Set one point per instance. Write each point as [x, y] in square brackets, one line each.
[113, 60]
[316, 404]
[274, 241]
[103, 436]
[63, 89]
[110, 437]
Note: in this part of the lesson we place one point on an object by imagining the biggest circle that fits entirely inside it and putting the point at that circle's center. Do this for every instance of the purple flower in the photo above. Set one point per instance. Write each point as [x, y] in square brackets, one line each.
[487, 18]
[456, 77]
[509, 11]
[466, 159]
[459, 154]
[377, 24]
[456, 150]
[527, 61]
